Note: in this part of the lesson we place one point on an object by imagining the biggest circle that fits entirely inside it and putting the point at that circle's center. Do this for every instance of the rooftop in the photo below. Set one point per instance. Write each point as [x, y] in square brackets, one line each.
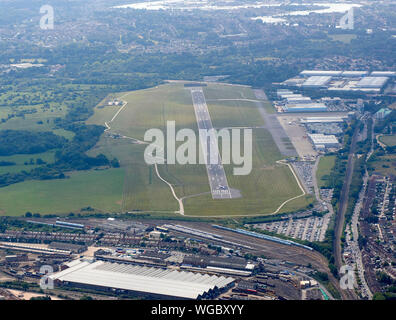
[372, 82]
[320, 73]
[317, 81]
[319, 138]
[158, 281]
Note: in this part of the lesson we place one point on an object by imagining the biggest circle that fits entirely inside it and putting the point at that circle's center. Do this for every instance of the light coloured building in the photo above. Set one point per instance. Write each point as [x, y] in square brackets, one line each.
[281, 92]
[319, 139]
[305, 107]
[353, 74]
[382, 113]
[164, 283]
[317, 81]
[292, 95]
[322, 119]
[310, 73]
[296, 100]
[383, 74]
[372, 82]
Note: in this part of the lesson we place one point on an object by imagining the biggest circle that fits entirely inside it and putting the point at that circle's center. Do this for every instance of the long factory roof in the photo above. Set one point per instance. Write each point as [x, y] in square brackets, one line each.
[372, 82]
[181, 284]
[317, 81]
[319, 138]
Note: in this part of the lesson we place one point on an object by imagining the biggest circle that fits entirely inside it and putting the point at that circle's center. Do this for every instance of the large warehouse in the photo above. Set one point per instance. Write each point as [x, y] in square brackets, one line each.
[354, 74]
[372, 82]
[305, 107]
[317, 81]
[320, 140]
[158, 282]
[309, 73]
[301, 99]
[383, 74]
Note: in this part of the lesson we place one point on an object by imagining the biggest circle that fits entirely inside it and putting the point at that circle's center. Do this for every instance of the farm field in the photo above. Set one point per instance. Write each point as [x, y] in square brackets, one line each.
[326, 163]
[101, 190]
[263, 191]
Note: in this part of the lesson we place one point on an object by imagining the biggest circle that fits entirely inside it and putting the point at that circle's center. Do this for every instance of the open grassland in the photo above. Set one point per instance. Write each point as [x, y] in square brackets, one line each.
[101, 190]
[263, 191]
[326, 163]
[142, 190]
[385, 165]
[389, 140]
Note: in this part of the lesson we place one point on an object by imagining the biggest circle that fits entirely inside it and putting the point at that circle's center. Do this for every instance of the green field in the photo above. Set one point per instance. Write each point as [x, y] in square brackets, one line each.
[385, 165]
[326, 163]
[263, 191]
[389, 140]
[101, 190]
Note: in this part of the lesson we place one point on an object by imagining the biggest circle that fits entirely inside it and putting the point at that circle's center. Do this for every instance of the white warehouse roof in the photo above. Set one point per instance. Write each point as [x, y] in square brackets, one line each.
[181, 284]
[320, 73]
[383, 74]
[354, 73]
[319, 138]
[372, 82]
[317, 81]
[293, 95]
[298, 100]
[322, 119]
[310, 105]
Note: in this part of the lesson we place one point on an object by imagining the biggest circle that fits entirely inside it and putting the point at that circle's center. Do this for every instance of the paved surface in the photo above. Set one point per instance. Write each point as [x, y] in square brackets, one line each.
[297, 135]
[274, 127]
[217, 178]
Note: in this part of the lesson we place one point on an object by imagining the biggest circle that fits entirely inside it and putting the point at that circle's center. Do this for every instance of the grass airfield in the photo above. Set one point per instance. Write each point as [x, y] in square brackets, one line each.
[263, 191]
[136, 187]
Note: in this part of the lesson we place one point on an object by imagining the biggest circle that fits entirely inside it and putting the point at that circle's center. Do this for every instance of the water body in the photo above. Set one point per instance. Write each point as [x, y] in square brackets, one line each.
[330, 8]
[196, 4]
[232, 5]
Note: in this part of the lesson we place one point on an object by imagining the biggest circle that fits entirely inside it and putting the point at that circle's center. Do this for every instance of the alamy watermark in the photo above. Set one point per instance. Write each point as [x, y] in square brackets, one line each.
[47, 20]
[347, 281]
[46, 282]
[347, 21]
[160, 151]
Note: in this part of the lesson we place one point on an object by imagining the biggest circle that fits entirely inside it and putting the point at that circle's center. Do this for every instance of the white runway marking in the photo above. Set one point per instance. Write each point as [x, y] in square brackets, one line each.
[219, 187]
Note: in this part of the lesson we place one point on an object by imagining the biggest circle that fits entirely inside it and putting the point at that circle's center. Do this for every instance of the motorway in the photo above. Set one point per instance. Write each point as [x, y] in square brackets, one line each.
[217, 177]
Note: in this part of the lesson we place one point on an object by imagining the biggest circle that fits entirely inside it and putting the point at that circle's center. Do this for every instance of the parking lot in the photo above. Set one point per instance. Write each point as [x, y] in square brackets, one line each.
[304, 171]
[310, 229]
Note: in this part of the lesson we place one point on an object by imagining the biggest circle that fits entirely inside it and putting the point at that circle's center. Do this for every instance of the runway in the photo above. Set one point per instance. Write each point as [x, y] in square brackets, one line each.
[217, 177]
